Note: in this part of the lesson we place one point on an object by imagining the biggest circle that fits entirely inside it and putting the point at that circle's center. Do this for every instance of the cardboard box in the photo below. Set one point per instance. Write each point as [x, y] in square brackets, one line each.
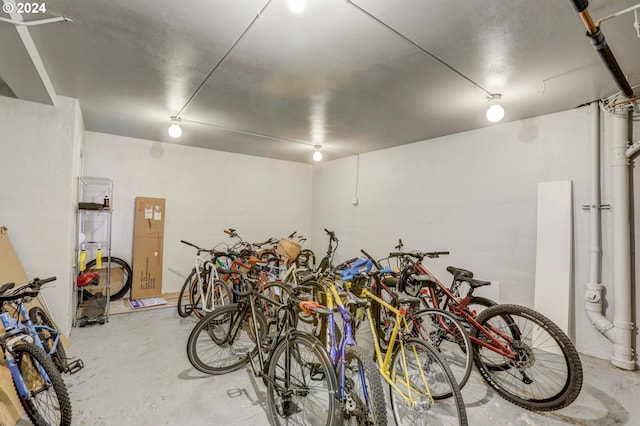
[147, 268]
[149, 217]
[11, 270]
[148, 242]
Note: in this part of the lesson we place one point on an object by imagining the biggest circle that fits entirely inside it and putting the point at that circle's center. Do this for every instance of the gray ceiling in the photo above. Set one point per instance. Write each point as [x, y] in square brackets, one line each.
[352, 76]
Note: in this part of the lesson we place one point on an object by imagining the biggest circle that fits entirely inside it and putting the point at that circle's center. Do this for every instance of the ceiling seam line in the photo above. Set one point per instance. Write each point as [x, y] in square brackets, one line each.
[423, 50]
[246, 30]
[261, 135]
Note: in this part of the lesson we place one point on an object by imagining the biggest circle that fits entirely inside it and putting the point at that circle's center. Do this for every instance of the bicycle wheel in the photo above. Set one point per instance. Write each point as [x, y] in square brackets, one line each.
[121, 277]
[424, 362]
[306, 259]
[48, 338]
[386, 319]
[210, 297]
[443, 330]
[546, 372]
[276, 291]
[301, 385]
[223, 341]
[478, 304]
[363, 399]
[184, 300]
[48, 401]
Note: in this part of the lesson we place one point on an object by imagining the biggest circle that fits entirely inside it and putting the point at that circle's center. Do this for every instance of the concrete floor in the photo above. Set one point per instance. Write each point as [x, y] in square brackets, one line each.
[137, 373]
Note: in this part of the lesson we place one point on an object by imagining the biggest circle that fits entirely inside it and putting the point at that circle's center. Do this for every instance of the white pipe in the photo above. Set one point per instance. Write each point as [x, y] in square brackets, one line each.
[36, 22]
[622, 356]
[613, 15]
[593, 289]
[633, 149]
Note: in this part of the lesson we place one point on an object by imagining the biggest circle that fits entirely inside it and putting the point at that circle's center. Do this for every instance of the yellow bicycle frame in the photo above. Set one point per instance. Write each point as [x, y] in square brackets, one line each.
[384, 363]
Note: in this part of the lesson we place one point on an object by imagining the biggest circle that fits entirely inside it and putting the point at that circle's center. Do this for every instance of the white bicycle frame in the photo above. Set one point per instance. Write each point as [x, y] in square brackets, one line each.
[201, 263]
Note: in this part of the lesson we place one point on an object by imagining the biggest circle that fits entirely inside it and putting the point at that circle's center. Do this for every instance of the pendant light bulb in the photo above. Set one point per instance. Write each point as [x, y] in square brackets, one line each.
[297, 6]
[317, 154]
[495, 112]
[175, 131]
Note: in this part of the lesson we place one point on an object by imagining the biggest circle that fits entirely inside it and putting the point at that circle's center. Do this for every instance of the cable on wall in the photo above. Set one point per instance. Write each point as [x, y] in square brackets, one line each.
[423, 50]
[258, 15]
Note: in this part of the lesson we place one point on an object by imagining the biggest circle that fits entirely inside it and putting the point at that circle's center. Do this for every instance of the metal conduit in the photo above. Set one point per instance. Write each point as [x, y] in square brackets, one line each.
[600, 45]
[620, 331]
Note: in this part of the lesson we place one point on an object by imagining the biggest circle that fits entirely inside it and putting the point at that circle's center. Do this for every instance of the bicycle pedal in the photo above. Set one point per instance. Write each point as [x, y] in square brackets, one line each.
[75, 366]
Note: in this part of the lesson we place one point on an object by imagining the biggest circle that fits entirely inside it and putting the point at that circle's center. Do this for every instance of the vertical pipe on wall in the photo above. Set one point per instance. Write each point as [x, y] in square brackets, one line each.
[622, 356]
[593, 289]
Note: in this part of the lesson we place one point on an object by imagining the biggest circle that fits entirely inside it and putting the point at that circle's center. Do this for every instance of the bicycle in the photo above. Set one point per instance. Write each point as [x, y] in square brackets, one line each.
[203, 288]
[38, 382]
[422, 387]
[438, 327]
[361, 394]
[300, 379]
[519, 352]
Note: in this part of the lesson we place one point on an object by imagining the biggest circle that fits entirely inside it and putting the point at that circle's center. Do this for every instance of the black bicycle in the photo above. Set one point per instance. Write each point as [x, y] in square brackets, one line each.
[300, 378]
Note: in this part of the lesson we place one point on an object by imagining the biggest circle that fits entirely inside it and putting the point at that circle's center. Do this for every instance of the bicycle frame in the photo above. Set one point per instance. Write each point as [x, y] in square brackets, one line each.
[32, 328]
[17, 332]
[384, 362]
[337, 351]
[459, 308]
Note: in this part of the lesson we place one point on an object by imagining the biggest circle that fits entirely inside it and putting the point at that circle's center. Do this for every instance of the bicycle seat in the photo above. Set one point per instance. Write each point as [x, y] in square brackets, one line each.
[6, 287]
[459, 273]
[424, 280]
[390, 281]
[475, 283]
[405, 299]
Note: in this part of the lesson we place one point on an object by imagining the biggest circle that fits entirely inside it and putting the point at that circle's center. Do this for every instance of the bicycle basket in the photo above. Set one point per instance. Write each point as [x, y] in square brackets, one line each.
[288, 248]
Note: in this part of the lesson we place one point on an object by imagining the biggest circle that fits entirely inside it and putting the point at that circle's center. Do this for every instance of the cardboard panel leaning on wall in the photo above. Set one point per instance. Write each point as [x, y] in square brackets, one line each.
[148, 242]
[10, 271]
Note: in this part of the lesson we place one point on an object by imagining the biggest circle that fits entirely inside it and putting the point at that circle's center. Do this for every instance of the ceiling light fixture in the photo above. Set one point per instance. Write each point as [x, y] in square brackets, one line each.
[175, 131]
[495, 112]
[317, 154]
[297, 6]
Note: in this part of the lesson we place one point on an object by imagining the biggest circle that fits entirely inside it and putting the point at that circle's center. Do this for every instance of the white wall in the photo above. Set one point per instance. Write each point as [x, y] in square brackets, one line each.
[474, 194]
[206, 192]
[40, 159]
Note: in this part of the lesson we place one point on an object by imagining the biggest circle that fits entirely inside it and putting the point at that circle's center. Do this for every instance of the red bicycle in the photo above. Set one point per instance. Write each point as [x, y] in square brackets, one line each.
[519, 352]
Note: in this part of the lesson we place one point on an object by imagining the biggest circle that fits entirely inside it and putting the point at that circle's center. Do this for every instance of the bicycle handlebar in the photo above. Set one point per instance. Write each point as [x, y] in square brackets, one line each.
[375, 262]
[420, 255]
[332, 235]
[215, 253]
[30, 289]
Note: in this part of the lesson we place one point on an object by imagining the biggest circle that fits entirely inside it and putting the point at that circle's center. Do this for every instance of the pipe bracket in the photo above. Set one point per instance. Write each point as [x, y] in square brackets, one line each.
[587, 207]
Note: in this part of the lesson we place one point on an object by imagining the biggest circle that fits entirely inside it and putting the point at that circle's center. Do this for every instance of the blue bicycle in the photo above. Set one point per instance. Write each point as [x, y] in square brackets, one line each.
[360, 386]
[38, 382]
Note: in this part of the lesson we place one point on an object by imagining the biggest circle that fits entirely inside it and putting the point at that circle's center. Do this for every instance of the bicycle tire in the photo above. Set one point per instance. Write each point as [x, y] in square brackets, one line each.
[301, 385]
[441, 382]
[364, 399]
[276, 291]
[209, 349]
[306, 259]
[58, 355]
[48, 403]
[184, 302]
[446, 333]
[118, 287]
[547, 374]
[220, 295]
[478, 304]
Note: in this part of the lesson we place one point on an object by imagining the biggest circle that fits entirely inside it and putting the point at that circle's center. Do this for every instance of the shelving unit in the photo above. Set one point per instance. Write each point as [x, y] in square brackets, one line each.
[94, 213]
